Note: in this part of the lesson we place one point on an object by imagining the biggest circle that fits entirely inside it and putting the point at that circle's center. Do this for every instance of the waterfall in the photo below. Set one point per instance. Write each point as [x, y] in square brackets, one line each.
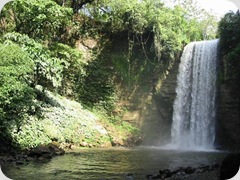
[193, 125]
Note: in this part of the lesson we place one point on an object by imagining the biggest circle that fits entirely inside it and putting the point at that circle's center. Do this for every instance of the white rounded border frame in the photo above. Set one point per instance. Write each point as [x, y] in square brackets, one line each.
[236, 2]
[3, 2]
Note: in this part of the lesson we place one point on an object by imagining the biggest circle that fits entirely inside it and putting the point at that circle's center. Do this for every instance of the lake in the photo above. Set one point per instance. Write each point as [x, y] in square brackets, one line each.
[113, 163]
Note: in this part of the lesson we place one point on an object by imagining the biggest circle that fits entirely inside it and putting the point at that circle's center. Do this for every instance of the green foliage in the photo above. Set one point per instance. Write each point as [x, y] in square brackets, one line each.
[233, 63]
[76, 5]
[118, 127]
[15, 94]
[32, 134]
[203, 21]
[229, 31]
[157, 32]
[35, 37]
[167, 38]
[59, 66]
[41, 19]
[172, 27]
[120, 64]
[97, 86]
[48, 68]
[6, 21]
[229, 34]
[73, 70]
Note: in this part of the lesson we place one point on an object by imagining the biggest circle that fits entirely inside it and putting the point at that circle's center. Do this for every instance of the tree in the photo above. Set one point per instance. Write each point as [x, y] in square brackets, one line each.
[15, 94]
[76, 5]
[206, 21]
[73, 68]
[229, 34]
[47, 68]
[40, 19]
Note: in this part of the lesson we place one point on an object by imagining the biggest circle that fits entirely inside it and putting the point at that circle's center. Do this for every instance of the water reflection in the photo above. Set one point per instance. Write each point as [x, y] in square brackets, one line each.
[114, 163]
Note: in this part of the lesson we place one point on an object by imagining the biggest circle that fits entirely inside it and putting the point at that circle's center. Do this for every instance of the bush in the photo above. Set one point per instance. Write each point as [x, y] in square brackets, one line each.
[97, 88]
[15, 94]
[229, 34]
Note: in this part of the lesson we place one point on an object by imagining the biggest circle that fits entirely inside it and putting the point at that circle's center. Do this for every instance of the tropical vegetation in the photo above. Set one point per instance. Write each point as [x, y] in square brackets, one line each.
[230, 45]
[40, 46]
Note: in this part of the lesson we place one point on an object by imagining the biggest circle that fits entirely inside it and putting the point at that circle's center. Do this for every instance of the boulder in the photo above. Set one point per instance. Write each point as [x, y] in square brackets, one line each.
[182, 171]
[189, 170]
[46, 151]
[84, 144]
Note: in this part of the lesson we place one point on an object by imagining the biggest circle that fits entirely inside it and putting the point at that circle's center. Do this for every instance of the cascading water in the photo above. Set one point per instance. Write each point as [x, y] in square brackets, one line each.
[193, 125]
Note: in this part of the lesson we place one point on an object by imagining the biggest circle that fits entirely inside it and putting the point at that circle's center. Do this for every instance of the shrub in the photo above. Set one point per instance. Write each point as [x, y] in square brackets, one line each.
[15, 94]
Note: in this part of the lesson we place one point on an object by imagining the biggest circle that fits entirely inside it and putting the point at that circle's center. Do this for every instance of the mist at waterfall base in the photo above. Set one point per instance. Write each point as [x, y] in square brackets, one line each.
[194, 109]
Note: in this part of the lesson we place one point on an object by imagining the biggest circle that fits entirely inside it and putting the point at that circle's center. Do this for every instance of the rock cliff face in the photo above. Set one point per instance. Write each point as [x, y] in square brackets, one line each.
[158, 119]
[157, 126]
[152, 110]
[228, 122]
[146, 95]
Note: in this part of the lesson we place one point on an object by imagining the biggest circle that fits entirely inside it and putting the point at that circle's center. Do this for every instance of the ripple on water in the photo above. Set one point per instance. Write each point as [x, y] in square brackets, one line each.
[112, 163]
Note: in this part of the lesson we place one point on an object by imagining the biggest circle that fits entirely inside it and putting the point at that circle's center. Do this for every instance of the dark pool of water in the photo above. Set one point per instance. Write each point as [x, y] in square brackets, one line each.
[114, 163]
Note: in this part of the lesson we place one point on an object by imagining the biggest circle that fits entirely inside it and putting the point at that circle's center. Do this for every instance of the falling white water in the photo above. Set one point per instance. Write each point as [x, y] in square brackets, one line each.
[193, 125]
